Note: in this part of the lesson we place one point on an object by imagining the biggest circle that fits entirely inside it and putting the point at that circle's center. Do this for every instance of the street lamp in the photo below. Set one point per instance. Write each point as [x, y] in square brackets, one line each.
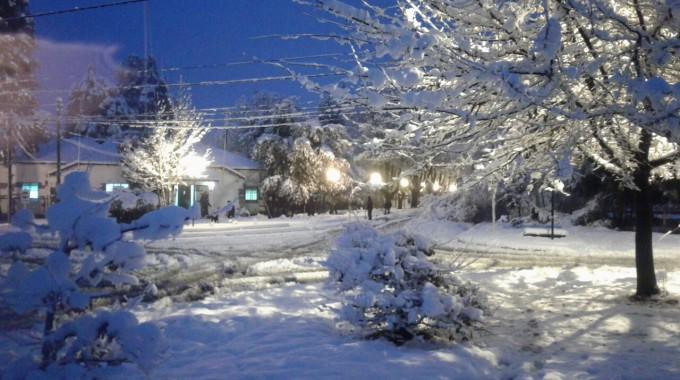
[453, 187]
[194, 165]
[403, 182]
[333, 175]
[436, 186]
[375, 179]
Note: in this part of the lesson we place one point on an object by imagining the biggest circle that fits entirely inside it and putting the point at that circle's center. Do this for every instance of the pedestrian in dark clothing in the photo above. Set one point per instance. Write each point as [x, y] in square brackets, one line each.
[388, 205]
[369, 208]
[230, 210]
[205, 204]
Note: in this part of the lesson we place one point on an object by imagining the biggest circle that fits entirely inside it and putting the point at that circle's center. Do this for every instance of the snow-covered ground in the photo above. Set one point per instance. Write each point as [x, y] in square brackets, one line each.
[552, 323]
[582, 245]
[551, 318]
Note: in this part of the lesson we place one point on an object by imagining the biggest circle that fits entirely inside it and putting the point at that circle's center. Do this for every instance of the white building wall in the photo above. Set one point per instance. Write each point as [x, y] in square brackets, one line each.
[226, 184]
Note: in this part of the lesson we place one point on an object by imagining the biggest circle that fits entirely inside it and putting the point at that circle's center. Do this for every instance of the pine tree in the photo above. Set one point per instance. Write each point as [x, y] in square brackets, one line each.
[140, 95]
[143, 88]
[86, 106]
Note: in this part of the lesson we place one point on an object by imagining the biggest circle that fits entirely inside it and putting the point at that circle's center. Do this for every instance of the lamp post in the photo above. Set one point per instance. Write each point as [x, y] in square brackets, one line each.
[375, 179]
[333, 178]
[333, 175]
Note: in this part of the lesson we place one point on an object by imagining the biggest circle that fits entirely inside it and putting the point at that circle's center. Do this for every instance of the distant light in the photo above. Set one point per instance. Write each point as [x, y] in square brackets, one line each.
[453, 187]
[193, 165]
[209, 184]
[403, 182]
[422, 185]
[436, 186]
[333, 175]
[376, 179]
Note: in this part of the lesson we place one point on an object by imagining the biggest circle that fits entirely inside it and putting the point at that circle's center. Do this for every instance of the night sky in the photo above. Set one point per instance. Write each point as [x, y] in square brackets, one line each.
[181, 33]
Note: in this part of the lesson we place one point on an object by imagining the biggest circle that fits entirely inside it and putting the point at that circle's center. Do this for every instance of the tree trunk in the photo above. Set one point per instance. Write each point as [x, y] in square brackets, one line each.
[415, 191]
[644, 258]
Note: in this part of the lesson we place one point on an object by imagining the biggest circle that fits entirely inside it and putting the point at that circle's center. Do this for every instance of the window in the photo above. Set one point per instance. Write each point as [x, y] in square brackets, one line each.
[251, 194]
[32, 189]
[110, 187]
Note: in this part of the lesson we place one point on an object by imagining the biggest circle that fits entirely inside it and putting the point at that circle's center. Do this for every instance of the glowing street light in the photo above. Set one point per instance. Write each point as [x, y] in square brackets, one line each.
[436, 186]
[403, 182]
[375, 179]
[194, 165]
[453, 187]
[333, 175]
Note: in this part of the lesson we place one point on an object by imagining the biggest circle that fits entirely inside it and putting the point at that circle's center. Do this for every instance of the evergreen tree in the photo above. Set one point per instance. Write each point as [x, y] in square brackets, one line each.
[140, 95]
[262, 114]
[86, 106]
[143, 88]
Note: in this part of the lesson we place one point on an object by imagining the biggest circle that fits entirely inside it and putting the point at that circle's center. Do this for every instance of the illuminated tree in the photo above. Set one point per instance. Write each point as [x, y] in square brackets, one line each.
[166, 156]
[526, 79]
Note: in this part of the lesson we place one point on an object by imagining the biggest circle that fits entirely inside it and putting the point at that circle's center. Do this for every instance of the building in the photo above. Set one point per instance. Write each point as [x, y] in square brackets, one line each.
[230, 177]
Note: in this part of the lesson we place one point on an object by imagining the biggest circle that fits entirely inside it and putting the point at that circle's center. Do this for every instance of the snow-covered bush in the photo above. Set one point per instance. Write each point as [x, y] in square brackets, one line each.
[392, 290]
[128, 205]
[95, 254]
[470, 205]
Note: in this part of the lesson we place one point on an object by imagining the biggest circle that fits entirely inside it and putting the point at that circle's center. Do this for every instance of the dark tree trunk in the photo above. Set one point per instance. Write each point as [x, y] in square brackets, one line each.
[644, 258]
[415, 191]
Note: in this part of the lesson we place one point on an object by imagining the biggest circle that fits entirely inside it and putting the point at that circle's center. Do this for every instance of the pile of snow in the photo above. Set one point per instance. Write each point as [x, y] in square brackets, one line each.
[393, 291]
[112, 337]
[95, 254]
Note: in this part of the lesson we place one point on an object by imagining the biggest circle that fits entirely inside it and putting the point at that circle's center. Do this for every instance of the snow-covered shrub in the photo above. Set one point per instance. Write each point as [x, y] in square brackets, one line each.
[470, 205]
[128, 205]
[95, 254]
[15, 241]
[392, 290]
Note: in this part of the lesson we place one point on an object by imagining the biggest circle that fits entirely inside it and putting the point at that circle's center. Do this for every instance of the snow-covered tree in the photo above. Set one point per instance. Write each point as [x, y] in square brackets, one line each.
[86, 107]
[20, 129]
[95, 256]
[522, 78]
[143, 89]
[392, 290]
[166, 156]
[260, 115]
[140, 96]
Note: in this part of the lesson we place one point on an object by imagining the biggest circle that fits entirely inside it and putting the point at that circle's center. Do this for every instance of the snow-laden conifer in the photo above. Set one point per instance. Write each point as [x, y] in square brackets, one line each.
[392, 290]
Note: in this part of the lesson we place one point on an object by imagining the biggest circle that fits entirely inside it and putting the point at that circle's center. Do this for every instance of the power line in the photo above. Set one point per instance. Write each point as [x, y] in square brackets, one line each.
[174, 124]
[111, 121]
[73, 10]
[191, 84]
[173, 69]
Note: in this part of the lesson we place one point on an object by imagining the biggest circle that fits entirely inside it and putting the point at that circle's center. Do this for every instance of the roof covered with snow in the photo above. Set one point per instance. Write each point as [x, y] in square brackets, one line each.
[74, 150]
[106, 152]
[225, 159]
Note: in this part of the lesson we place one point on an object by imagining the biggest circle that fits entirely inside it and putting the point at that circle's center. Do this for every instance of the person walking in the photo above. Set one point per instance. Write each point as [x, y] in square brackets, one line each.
[205, 204]
[369, 207]
[388, 204]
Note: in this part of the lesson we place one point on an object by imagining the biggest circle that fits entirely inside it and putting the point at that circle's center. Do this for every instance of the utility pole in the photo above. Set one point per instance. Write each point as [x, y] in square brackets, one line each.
[59, 108]
[10, 202]
[552, 214]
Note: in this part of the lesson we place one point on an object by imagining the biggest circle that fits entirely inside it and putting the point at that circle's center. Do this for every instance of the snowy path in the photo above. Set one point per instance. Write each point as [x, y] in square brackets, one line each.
[250, 253]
